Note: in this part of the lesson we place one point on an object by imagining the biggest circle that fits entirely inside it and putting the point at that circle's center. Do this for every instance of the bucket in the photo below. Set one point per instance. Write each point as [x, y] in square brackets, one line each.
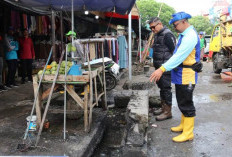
[32, 126]
[75, 70]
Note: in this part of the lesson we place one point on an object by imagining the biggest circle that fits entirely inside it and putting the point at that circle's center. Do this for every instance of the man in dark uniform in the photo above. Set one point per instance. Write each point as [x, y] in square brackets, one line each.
[163, 47]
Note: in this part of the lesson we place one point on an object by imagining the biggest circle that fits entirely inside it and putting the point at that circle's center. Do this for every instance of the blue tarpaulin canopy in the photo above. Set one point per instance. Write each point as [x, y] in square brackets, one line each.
[119, 6]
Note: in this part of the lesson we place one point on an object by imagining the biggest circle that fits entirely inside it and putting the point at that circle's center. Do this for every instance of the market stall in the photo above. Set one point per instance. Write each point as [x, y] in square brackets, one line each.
[83, 80]
[87, 79]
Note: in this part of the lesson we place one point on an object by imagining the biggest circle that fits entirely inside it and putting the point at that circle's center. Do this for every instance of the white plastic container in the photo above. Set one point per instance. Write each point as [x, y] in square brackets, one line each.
[32, 126]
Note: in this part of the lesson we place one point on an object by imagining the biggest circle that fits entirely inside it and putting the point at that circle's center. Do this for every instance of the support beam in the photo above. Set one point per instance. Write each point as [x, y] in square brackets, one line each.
[129, 46]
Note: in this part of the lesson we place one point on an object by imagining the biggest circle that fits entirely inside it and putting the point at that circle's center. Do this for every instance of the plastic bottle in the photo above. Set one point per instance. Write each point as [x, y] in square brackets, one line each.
[190, 86]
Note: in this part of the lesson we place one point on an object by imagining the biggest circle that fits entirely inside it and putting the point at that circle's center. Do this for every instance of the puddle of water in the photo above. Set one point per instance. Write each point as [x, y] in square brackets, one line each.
[208, 98]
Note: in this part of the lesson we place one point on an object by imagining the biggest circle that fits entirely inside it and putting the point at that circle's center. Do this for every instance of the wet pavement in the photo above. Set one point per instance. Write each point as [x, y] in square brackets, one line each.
[213, 125]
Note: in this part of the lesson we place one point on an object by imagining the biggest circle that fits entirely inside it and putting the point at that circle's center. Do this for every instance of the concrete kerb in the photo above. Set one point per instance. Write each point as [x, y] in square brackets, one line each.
[85, 148]
[137, 123]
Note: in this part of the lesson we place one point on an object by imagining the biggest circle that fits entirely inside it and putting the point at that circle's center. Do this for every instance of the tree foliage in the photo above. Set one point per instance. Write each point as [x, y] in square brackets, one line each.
[150, 8]
[201, 24]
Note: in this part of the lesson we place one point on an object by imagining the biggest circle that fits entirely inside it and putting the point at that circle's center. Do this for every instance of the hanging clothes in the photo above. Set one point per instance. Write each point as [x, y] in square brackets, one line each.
[29, 23]
[33, 23]
[40, 25]
[15, 19]
[114, 57]
[48, 22]
[117, 55]
[106, 49]
[44, 24]
[123, 56]
[25, 21]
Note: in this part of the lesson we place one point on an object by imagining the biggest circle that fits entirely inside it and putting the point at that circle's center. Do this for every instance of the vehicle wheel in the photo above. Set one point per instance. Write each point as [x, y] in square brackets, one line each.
[216, 70]
[73, 110]
[111, 82]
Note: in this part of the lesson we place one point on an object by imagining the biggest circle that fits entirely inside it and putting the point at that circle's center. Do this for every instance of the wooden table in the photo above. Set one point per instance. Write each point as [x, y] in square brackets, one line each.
[88, 80]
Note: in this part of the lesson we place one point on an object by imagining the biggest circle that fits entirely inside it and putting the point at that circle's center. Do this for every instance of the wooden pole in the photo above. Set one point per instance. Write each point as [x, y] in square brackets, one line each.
[61, 31]
[53, 36]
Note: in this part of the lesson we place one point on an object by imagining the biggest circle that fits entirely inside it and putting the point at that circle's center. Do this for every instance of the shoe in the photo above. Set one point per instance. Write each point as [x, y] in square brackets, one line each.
[8, 86]
[180, 127]
[14, 85]
[187, 134]
[167, 113]
[2, 88]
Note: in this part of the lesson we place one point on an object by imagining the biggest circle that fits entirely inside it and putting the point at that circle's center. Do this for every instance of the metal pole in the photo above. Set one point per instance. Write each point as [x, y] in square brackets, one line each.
[65, 92]
[61, 31]
[129, 46]
[72, 27]
[65, 86]
[140, 48]
[53, 36]
[72, 21]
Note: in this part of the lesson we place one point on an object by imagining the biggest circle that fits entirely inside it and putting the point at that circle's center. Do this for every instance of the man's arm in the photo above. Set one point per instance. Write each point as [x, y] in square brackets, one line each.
[170, 41]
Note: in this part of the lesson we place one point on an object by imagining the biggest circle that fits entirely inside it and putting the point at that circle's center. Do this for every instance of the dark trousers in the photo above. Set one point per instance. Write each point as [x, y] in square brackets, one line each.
[1, 69]
[26, 69]
[184, 96]
[165, 87]
[12, 67]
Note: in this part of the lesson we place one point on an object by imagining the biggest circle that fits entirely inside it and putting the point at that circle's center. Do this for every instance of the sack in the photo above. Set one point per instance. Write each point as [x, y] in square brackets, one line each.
[197, 67]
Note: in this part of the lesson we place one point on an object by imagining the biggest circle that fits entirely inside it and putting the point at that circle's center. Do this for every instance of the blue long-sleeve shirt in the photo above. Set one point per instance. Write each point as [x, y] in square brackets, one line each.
[188, 43]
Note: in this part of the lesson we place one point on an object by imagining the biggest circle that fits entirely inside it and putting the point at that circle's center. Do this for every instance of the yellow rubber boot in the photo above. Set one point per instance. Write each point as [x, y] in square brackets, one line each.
[187, 133]
[180, 127]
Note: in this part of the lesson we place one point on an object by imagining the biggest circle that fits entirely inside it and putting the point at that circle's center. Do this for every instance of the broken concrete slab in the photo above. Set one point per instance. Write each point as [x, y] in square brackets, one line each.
[137, 122]
[135, 139]
[137, 85]
[138, 107]
[122, 98]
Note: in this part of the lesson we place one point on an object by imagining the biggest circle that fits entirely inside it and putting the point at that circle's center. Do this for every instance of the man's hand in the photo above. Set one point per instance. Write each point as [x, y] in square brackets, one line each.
[156, 75]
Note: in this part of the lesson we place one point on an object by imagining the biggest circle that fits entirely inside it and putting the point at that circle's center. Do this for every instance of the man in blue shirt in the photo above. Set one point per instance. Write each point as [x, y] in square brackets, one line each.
[186, 54]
